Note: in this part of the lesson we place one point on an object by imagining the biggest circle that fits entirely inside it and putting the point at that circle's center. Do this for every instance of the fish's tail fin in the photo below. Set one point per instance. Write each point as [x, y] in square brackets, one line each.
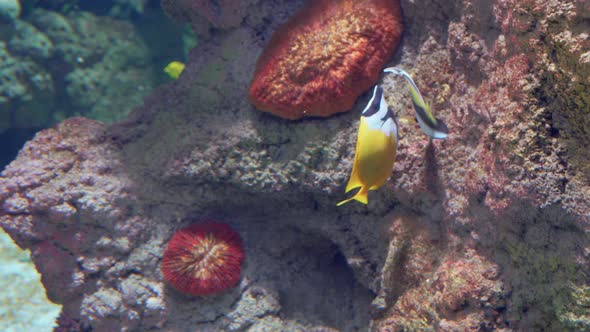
[360, 196]
[354, 182]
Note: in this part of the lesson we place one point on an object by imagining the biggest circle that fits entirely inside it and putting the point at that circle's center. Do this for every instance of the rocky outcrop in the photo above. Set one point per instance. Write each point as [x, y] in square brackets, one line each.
[485, 230]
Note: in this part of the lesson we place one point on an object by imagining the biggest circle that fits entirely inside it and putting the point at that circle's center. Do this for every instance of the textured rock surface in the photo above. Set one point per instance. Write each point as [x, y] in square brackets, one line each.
[55, 65]
[9, 9]
[108, 64]
[488, 229]
[26, 90]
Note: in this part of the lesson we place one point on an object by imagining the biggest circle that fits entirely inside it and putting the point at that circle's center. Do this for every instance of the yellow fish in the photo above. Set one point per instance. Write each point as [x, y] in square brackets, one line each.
[174, 69]
[376, 148]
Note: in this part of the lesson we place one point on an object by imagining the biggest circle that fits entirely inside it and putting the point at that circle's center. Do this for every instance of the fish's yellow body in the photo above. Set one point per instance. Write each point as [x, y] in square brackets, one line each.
[174, 69]
[376, 148]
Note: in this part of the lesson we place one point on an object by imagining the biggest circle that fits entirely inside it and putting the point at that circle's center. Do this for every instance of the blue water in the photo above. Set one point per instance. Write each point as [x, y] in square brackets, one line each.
[12, 141]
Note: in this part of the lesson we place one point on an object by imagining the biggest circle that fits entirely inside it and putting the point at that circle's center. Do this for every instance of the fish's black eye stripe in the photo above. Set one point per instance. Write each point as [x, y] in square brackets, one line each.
[375, 102]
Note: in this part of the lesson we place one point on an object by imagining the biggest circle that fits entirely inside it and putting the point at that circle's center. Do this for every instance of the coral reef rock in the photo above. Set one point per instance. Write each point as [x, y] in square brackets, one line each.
[488, 229]
[325, 56]
[26, 91]
[9, 10]
[55, 65]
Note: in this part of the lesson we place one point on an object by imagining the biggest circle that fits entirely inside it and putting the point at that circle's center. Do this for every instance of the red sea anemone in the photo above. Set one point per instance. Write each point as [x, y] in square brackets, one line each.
[203, 258]
[325, 56]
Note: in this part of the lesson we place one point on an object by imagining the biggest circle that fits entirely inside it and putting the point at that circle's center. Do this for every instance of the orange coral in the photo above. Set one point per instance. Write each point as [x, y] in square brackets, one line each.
[325, 56]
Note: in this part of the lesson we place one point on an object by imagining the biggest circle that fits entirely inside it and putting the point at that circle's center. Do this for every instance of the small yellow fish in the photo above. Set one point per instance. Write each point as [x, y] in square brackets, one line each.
[376, 148]
[174, 69]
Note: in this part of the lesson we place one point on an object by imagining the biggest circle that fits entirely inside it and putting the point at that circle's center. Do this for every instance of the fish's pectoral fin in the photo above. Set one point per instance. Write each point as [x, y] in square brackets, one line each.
[360, 196]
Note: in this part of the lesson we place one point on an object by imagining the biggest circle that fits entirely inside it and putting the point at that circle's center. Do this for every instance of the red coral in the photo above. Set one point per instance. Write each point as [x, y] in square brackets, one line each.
[325, 56]
[203, 259]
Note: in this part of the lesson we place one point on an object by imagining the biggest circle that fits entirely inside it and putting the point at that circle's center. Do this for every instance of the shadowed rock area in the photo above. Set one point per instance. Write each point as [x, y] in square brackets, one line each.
[485, 230]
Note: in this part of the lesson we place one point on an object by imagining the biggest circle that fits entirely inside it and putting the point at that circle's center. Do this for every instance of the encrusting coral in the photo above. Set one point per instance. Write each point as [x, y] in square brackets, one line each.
[325, 56]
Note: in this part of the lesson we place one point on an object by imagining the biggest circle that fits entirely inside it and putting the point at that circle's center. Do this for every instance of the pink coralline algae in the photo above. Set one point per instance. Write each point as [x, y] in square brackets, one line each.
[325, 56]
[452, 298]
[62, 171]
[65, 181]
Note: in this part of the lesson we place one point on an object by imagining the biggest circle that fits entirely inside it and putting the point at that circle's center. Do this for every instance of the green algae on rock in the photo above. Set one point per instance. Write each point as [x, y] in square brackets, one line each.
[576, 314]
[100, 65]
[9, 10]
[26, 91]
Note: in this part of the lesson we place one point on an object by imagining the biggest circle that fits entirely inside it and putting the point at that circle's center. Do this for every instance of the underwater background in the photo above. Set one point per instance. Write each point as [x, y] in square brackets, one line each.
[67, 58]
[62, 58]
[176, 165]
